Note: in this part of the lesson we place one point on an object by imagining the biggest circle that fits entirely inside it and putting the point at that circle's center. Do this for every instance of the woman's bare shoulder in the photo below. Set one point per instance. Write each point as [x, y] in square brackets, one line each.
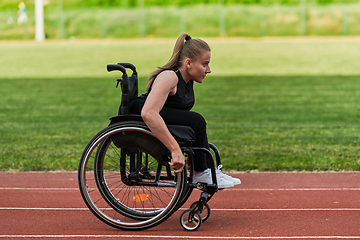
[167, 76]
[168, 73]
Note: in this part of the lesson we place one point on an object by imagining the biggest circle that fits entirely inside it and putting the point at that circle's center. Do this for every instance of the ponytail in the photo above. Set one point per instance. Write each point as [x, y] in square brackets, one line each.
[185, 46]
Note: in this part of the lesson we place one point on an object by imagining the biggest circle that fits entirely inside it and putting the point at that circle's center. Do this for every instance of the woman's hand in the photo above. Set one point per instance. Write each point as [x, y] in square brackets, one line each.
[177, 161]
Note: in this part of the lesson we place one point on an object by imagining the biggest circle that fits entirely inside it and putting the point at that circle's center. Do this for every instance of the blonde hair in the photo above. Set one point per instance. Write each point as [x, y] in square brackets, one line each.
[185, 47]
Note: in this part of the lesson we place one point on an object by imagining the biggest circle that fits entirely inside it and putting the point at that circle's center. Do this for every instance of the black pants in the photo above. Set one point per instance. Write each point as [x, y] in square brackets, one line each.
[194, 120]
[197, 122]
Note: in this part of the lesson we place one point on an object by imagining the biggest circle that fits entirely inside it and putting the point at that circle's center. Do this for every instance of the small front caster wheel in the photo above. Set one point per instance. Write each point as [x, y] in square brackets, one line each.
[205, 212]
[190, 221]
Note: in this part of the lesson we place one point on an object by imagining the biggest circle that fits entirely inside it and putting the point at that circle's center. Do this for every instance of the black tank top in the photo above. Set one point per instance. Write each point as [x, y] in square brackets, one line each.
[183, 98]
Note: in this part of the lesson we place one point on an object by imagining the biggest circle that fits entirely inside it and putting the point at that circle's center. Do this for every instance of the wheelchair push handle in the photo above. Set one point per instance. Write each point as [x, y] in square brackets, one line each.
[129, 65]
[121, 67]
[113, 67]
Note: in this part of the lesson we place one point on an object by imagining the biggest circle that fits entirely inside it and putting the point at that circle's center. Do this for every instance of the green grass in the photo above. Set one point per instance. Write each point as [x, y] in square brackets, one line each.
[271, 106]
[264, 123]
[263, 56]
[284, 123]
[45, 123]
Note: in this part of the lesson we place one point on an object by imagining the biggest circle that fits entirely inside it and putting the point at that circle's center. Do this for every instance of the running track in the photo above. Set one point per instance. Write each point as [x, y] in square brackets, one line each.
[48, 205]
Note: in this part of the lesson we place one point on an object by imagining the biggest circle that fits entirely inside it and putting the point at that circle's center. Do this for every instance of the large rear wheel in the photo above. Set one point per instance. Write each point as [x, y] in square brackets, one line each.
[125, 178]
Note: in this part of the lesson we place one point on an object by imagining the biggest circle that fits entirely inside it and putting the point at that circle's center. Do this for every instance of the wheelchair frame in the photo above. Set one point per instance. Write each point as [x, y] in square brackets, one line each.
[124, 176]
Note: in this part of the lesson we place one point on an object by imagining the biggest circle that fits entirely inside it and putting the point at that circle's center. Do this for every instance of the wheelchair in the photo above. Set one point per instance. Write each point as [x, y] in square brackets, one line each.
[124, 174]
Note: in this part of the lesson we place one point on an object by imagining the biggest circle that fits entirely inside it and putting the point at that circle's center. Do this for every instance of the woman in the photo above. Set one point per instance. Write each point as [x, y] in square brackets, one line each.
[169, 99]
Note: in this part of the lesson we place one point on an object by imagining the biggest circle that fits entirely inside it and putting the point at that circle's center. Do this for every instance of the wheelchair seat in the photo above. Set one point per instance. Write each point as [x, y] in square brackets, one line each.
[184, 135]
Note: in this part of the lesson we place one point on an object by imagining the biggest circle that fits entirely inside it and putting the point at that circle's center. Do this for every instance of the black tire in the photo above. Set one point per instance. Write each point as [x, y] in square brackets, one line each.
[188, 190]
[204, 212]
[188, 222]
[120, 187]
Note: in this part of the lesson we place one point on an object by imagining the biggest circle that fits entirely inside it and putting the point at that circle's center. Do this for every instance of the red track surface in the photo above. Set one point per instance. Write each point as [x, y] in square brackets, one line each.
[266, 206]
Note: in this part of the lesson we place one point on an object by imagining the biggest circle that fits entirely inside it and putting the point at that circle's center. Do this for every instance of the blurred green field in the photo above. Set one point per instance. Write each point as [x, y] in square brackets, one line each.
[270, 104]
[206, 20]
[230, 56]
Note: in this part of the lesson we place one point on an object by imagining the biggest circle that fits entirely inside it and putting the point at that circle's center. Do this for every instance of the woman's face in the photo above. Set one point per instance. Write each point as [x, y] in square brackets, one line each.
[199, 68]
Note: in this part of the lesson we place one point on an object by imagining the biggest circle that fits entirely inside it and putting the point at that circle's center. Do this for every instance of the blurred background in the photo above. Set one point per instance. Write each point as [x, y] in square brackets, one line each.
[283, 93]
[84, 19]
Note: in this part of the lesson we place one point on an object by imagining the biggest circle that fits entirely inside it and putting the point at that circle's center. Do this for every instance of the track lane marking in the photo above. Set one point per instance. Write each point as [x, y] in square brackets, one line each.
[215, 209]
[178, 237]
[293, 189]
[228, 189]
[39, 189]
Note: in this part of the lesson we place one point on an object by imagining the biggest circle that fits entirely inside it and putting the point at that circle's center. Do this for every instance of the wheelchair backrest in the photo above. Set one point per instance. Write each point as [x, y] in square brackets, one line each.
[129, 85]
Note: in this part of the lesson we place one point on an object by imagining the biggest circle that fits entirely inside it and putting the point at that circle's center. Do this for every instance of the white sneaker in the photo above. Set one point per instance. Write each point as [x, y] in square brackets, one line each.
[205, 177]
[235, 181]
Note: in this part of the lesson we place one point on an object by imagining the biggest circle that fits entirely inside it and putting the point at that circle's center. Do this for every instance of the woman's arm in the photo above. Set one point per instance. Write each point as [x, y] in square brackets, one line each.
[164, 85]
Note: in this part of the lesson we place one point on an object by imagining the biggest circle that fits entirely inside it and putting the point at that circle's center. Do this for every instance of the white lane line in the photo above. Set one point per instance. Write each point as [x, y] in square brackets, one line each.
[216, 209]
[292, 189]
[39, 189]
[289, 209]
[228, 189]
[177, 237]
[44, 209]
